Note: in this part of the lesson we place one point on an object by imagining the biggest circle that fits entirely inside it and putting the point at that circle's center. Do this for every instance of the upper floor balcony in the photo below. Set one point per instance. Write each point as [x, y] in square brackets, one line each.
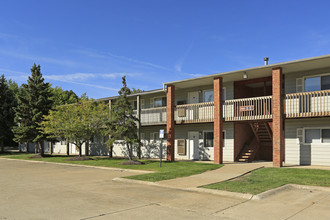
[296, 105]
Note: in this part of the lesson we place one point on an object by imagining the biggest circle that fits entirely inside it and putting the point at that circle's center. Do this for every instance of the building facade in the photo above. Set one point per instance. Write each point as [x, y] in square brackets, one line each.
[277, 112]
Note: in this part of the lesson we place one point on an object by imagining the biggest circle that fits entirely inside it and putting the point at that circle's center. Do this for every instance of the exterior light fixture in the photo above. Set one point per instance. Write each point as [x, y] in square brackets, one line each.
[245, 75]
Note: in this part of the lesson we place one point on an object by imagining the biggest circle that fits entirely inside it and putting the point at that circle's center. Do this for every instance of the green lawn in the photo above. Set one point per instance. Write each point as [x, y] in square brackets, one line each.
[169, 170]
[268, 178]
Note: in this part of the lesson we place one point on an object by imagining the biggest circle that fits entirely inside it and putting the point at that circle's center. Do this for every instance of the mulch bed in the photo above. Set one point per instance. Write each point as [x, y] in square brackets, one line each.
[39, 156]
[132, 162]
[79, 158]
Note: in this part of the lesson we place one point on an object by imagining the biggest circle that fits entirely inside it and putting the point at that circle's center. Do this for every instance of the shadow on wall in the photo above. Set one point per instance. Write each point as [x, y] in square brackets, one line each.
[203, 154]
[98, 148]
[152, 150]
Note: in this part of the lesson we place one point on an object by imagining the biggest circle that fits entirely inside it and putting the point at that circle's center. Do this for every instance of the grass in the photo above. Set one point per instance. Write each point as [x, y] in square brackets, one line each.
[169, 170]
[268, 178]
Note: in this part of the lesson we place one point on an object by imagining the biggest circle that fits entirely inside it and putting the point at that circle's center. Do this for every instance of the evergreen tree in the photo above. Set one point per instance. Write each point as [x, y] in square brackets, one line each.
[7, 103]
[123, 122]
[34, 101]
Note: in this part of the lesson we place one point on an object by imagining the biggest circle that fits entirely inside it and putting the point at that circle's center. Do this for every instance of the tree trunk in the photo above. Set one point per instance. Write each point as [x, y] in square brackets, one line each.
[27, 147]
[111, 151]
[2, 146]
[36, 147]
[79, 147]
[42, 150]
[87, 148]
[67, 147]
[51, 148]
[129, 151]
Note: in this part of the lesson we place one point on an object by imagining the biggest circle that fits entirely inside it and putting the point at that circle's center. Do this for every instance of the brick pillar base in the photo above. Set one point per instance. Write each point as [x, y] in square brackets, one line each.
[278, 117]
[218, 122]
[170, 122]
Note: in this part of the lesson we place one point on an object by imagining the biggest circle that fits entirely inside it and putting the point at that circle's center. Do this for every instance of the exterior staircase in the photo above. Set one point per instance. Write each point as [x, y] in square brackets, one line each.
[262, 135]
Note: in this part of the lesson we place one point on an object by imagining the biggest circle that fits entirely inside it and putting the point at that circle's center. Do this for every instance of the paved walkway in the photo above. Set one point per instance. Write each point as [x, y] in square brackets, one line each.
[229, 171]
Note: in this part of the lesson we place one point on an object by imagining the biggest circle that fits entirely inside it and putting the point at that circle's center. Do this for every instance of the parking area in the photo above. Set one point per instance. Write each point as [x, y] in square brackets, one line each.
[49, 191]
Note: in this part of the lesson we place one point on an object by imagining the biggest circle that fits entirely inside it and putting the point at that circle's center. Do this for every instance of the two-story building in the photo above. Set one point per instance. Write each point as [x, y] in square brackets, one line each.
[276, 112]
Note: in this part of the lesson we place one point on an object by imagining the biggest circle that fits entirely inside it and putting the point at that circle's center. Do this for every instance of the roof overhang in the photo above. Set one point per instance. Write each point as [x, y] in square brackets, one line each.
[135, 94]
[319, 62]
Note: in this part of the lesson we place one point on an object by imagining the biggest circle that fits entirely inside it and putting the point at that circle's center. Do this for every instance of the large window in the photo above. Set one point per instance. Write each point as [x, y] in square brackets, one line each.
[208, 95]
[159, 102]
[209, 138]
[319, 135]
[317, 83]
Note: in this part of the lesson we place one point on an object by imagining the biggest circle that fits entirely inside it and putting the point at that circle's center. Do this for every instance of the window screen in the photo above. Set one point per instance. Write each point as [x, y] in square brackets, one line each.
[325, 82]
[312, 136]
[208, 139]
[325, 135]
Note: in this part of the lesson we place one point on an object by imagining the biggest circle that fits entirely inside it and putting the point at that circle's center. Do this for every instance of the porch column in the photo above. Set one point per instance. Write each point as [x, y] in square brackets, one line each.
[138, 114]
[218, 121]
[170, 121]
[278, 116]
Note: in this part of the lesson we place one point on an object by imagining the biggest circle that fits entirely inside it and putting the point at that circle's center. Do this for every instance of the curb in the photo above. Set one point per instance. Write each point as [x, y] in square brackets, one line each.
[80, 165]
[199, 190]
[246, 196]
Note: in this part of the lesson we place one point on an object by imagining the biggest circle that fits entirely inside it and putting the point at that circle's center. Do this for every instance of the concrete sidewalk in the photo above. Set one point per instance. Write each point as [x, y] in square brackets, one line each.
[227, 172]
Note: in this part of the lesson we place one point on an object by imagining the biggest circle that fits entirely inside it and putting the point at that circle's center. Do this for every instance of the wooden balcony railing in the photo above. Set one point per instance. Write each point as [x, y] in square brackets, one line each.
[153, 116]
[308, 104]
[194, 113]
[248, 109]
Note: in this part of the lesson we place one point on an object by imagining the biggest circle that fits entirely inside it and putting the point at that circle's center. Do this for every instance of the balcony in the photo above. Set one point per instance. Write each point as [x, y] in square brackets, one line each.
[307, 104]
[297, 105]
[153, 116]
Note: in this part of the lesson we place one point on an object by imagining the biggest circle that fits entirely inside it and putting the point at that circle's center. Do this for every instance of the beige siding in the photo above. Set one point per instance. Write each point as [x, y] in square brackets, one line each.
[290, 78]
[301, 153]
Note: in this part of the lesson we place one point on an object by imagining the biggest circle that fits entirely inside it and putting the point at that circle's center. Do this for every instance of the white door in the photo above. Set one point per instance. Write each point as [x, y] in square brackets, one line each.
[193, 97]
[193, 145]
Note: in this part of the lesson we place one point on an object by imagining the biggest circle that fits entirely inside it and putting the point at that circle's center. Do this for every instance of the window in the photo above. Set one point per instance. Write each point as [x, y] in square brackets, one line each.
[317, 83]
[63, 142]
[159, 102]
[134, 104]
[208, 95]
[317, 135]
[208, 139]
[154, 136]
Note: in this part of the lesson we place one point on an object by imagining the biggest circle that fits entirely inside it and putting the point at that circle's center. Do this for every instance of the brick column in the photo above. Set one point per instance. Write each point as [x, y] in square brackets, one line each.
[170, 122]
[218, 121]
[278, 117]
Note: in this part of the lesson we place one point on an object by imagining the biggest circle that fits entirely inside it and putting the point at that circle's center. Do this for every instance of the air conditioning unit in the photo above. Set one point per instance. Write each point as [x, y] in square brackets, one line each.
[181, 146]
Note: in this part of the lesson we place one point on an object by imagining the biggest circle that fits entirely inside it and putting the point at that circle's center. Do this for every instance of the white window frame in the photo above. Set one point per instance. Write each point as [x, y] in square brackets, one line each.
[316, 128]
[313, 76]
[224, 91]
[224, 138]
[152, 104]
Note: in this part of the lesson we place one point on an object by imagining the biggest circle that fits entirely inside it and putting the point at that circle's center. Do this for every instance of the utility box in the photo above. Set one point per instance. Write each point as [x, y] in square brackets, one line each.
[181, 146]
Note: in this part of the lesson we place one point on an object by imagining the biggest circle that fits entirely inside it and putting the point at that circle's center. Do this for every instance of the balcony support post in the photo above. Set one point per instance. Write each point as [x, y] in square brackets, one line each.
[170, 125]
[138, 115]
[278, 116]
[218, 121]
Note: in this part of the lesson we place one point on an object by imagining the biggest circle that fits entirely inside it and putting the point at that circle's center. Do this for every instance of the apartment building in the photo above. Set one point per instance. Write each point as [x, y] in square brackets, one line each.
[276, 112]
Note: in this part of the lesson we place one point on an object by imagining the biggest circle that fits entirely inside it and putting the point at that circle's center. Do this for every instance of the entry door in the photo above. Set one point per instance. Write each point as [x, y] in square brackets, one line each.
[193, 145]
[193, 97]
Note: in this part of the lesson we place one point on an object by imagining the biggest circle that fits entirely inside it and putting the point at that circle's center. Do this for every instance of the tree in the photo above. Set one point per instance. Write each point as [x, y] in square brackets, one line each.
[122, 124]
[34, 101]
[77, 123]
[62, 97]
[7, 103]
[136, 91]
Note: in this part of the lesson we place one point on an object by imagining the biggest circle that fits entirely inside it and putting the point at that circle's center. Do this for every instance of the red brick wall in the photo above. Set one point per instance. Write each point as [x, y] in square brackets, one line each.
[242, 134]
[218, 121]
[278, 113]
[170, 122]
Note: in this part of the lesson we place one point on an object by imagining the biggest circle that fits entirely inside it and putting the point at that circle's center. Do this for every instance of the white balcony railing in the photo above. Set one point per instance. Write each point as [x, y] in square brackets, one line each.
[248, 109]
[308, 104]
[194, 113]
[153, 116]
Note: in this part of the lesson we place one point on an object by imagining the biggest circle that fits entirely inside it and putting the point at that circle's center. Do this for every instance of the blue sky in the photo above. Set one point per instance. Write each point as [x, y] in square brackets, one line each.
[87, 46]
